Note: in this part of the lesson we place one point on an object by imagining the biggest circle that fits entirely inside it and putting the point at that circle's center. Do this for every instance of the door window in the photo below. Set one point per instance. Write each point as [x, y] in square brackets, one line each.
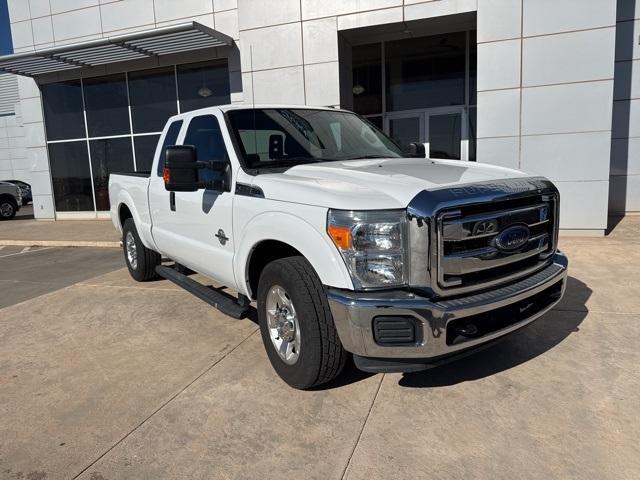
[205, 135]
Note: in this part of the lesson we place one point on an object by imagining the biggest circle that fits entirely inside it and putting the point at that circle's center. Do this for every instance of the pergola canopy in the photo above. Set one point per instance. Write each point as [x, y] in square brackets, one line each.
[150, 43]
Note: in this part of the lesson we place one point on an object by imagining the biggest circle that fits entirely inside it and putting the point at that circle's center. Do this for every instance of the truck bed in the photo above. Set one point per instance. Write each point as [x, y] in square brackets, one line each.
[131, 189]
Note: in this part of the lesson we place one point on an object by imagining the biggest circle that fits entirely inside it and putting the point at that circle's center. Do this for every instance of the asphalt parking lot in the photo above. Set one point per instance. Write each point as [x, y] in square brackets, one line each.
[104, 378]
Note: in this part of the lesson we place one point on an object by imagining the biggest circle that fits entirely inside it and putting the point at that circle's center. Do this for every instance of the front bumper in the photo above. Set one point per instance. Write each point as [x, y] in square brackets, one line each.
[492, 314]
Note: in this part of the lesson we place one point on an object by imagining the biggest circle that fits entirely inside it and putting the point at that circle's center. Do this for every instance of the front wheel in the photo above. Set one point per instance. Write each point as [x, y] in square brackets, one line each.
[8, 208]
[141, 261]
[296, 324]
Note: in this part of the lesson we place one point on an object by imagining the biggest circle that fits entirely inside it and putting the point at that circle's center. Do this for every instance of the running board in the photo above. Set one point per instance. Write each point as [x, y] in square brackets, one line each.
[226, 304]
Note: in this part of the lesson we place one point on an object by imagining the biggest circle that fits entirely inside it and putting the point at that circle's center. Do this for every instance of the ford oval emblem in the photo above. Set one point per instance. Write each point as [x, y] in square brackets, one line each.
[512, 238]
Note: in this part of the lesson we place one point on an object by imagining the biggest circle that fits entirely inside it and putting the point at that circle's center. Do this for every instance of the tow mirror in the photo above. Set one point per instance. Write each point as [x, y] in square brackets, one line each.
[180, 172]
[416, 150]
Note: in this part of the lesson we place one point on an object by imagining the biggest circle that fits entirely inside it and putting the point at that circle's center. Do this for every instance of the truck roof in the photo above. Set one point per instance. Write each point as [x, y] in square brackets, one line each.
[246, 106]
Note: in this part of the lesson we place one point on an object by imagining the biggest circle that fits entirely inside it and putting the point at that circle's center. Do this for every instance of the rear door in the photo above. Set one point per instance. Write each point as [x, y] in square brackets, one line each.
[195, 228]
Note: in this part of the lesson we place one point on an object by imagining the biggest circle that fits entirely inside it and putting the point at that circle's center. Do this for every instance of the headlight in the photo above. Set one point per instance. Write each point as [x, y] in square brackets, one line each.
[373, 245]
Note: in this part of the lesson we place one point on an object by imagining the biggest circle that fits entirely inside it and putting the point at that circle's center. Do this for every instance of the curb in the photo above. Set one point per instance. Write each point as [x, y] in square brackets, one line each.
[58, 243]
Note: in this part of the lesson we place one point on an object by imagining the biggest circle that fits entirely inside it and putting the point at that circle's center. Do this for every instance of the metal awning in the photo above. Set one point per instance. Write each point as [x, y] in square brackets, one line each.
[135, 46]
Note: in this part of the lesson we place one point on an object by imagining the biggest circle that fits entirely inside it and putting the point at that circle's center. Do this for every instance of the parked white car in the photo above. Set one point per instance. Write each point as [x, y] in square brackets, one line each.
[346, 244]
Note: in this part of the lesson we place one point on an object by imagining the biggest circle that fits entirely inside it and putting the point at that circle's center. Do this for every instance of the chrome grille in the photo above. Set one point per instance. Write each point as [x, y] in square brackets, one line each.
[469, 254]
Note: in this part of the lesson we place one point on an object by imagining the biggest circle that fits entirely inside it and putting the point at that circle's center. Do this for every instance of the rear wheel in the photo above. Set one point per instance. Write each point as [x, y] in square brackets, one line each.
[296, 324]
[141, 261]
[8, 208]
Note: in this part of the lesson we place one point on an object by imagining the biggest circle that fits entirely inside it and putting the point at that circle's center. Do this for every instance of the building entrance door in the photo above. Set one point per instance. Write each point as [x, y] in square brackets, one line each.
[443, 131]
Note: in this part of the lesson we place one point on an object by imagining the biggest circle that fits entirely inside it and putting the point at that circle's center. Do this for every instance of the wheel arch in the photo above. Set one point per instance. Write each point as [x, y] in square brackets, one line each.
[125, 210]
[8, 196]
[294, 237]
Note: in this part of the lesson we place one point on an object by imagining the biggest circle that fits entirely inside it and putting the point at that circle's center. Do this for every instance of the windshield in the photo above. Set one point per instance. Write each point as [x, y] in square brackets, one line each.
[284, 137]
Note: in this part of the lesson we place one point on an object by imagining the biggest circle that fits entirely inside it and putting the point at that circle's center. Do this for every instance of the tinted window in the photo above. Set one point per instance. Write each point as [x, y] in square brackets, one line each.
[145, 149]
[153, 99]
[204, 134]
[425, 72]
[171, 138]
[108, 156]
[473, 67]
[106, 103]
[367, 79]
[70, 176]
[472, 134]
[203, 85]
[62, 105]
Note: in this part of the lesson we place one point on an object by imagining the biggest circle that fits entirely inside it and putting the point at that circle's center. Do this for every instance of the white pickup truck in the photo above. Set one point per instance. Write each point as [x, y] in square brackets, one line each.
[347, 244]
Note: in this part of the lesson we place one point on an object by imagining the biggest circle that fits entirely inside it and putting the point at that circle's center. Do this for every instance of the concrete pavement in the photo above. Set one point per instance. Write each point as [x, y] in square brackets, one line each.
[23, 230]
[28, 272]
[111, 379]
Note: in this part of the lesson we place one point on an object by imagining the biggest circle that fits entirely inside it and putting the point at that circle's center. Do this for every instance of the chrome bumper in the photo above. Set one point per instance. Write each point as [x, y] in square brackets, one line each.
[354, 314]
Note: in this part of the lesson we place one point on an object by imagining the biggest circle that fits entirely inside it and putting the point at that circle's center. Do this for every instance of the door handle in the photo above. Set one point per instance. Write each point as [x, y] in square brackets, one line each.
[172, 201]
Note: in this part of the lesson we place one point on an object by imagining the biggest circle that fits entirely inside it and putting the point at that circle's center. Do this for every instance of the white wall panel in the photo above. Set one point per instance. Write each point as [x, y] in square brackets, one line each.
[552, 16]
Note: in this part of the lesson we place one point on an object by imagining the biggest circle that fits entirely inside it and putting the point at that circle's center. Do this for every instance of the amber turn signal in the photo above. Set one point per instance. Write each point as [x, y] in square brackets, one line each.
[341, 236]
[166, 175]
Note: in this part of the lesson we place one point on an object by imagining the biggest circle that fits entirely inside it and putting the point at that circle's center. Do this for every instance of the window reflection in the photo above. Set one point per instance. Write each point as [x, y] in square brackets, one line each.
[108, 156]
[153, 99]
[425, 72]
[62, 105]
[367, 79]
[70, 176]
[105, 100]
[203, 85]
[145, 150]
[111, 110]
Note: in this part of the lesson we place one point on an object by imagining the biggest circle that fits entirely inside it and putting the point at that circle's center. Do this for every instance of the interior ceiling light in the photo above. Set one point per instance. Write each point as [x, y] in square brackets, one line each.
[358, 89]
[205, 92]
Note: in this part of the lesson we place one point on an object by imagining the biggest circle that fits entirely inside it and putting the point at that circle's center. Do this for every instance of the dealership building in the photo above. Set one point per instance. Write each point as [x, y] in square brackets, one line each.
[551, 87]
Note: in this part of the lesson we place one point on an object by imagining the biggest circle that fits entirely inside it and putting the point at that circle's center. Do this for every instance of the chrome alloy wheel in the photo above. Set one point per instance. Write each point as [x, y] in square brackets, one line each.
[282, 321]
[6, 209]
[132, 250]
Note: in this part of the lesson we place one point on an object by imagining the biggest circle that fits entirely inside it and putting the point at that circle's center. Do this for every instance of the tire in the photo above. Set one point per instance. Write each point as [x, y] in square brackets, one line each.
[141, 261]
[320, 356]
[8, 208]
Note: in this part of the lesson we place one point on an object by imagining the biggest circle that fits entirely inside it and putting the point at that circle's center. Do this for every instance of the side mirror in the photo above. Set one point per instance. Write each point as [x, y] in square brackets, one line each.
[180, 172]
[416, 150]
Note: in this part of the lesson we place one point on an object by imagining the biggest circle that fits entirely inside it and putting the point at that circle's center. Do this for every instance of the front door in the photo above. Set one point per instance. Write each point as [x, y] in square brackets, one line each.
[195, 228]
[442, 130]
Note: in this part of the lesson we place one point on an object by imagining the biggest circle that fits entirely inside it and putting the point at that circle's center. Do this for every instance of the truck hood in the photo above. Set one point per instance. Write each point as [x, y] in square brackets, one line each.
[373, 184]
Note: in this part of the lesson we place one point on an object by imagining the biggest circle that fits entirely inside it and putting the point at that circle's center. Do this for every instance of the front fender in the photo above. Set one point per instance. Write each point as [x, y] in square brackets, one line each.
[309, 239]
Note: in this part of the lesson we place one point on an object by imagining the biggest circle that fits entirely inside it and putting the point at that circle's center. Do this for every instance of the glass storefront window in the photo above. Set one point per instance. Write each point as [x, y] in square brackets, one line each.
[203, 85]
[472, 134]
[71, 177]
[63, 111]
[473, 67]
[106, 103]
[94, 108]
[145, 150]
[425, 72]
[108, 156]
[445, 135]
[367, 79]
[153, 99]
[169, 139]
